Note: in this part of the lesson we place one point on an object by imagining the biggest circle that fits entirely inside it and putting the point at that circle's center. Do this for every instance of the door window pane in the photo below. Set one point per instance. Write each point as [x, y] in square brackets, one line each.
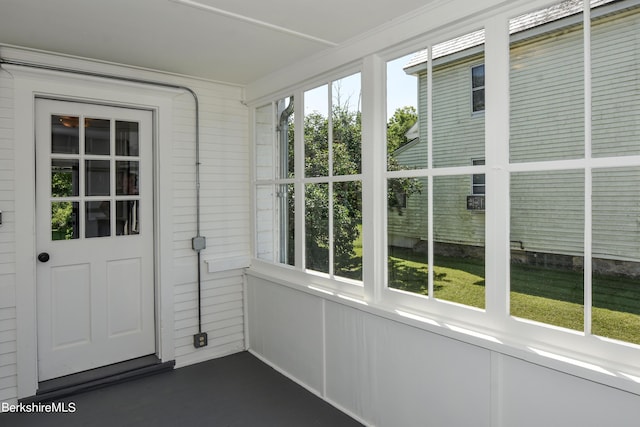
[64, 177]
[64, 220]
[97, 178]
[98, 218]
[127, 217]
[127, 178]
[65, 136]
[127, 139]
[97, 137]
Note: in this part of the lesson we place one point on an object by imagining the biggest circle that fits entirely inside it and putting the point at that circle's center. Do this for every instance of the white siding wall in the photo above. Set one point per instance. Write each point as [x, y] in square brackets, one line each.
[547, 97]
[224, 214]
[458, 138]
[547, 123]
[8, 356]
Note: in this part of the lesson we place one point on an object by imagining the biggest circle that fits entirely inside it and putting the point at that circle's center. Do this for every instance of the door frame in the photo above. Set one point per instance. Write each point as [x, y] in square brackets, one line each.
[30, 84]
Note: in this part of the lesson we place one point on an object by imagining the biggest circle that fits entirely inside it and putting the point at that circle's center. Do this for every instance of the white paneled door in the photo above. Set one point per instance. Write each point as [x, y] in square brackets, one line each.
[94, 216]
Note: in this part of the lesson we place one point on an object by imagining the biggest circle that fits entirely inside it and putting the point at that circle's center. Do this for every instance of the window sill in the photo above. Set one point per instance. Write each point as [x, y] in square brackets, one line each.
[603, 372]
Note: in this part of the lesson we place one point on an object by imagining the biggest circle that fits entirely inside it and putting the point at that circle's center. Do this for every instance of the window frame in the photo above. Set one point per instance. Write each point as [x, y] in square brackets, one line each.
[478, 89]
[588, 356]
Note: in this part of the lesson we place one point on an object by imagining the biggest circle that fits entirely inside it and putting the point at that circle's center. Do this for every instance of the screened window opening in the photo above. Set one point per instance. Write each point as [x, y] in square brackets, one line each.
[435, 243]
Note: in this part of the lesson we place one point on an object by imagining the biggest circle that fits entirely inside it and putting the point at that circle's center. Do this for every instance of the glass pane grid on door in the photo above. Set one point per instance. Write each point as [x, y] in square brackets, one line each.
[94, 177]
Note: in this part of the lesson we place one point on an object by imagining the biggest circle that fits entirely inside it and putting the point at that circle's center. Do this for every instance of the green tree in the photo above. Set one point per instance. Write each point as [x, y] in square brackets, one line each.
[347, 196]
[399, 189]
[398, 126]
[347, 200]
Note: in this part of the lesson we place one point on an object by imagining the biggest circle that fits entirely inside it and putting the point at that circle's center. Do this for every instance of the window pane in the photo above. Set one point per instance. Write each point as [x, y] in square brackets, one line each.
[403, 75]
[407, 234]
[98, 219]
[547, 247]
[265, 220]
[127, 139]
[477, 76]
[127, 178]
[458, 243]
[547, 84]
[346, 126]
[285, 134]
[265, 143]
[458, 134]
[97, 178]
[317, 227]
[316, 128]
[347, 229]
[615, 74]
[64, 220]
[97, 137]
[127, 217]
[65, 135]
[286, 224]
[616, 254]
[64, 177]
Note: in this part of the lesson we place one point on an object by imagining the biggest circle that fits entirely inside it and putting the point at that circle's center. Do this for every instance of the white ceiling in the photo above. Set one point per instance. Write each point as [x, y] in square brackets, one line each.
[234, 41]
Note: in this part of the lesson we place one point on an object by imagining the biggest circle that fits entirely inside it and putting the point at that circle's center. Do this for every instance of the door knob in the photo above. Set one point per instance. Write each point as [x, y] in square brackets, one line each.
[43, 257]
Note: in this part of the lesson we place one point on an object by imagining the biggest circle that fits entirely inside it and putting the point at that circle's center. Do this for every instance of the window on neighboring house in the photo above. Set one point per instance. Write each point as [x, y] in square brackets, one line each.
[477, 179]
[477, 88]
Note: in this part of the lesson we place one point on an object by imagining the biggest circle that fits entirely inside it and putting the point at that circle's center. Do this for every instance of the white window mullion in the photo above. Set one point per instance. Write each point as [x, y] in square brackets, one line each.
[299, 180]
[330, 174]
[374, 150]
[497, 209]
[588, 220]
[430, 168]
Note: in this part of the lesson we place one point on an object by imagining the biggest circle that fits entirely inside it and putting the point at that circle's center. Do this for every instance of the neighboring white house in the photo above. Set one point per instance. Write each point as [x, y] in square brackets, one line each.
[547, 88]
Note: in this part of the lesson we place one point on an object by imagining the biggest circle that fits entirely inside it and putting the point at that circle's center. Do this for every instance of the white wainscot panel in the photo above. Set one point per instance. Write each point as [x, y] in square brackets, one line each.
[124, 296]
[534, 396]
[70, 305]
[391, 374]
[286, 329]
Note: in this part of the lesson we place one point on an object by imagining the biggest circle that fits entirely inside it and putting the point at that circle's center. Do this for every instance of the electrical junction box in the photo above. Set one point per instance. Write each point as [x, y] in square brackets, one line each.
[199, 243]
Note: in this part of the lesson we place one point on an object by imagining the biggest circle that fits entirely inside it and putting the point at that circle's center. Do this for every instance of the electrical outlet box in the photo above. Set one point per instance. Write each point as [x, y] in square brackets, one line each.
[199, 243]
[200, 340]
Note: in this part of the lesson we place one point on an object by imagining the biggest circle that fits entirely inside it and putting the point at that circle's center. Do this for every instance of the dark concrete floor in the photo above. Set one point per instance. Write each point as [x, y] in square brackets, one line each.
[233, 391]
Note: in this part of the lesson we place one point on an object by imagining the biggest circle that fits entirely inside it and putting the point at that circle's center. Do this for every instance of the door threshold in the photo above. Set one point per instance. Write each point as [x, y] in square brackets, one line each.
[99, 377]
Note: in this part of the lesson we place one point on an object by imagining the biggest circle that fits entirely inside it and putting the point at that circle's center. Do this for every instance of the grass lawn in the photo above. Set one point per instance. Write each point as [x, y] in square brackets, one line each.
[550, 296]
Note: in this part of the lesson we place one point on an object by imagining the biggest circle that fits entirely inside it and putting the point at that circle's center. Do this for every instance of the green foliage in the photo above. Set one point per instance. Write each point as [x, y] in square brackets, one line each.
[399, 124]
[62, 212]
[399, 189]
[347, 204]
[346, 135]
